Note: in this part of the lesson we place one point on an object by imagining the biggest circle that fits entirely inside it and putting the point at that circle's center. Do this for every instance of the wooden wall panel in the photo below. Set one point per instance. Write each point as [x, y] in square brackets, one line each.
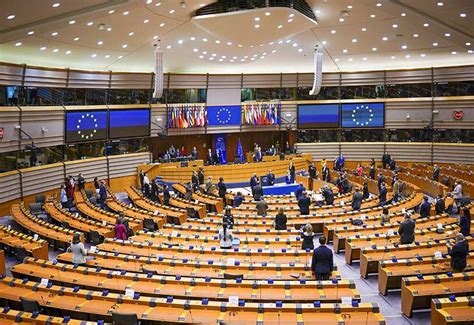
[11, 74]
[42, 178]
[419, 111]
[9, 183]
[9, 117]
[187, 81]
[126, 165]
[445, 120]
[453, 153]
[90, 168]
[319, 151]
[362, 151]
[41, 77]
[362, 78]
[131, 80]
[233, 81]
[462, 73]
[88, 79]
[51, 118]
[408, 76]
[415, 151]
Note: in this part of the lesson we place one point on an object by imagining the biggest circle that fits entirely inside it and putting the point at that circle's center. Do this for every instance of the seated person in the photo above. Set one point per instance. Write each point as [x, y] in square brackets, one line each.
[238, 199]
[225, 237]
[459, 252]
[407, 230]
[322, 262]
[77, 249]
[262, 207]
[280, 220]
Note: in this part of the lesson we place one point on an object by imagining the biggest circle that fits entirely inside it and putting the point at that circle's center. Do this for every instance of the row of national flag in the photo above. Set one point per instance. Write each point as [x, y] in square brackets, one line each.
[183, 116]
[261, 113]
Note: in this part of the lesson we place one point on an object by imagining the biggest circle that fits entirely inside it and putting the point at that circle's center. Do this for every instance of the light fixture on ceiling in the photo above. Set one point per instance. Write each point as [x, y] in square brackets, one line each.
[18, 44]
[10, 17]
[31, 32]
[183, 4]
[101, 27]
[43, 48]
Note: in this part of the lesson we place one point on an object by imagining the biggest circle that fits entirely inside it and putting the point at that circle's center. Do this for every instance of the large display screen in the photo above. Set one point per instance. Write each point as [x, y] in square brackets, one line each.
[321, 116]
[363, 115]
[86, 126]
[129, 123]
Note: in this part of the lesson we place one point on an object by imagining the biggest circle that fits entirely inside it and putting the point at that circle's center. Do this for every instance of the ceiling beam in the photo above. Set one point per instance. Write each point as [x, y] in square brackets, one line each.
[10, 34]
[431, 18]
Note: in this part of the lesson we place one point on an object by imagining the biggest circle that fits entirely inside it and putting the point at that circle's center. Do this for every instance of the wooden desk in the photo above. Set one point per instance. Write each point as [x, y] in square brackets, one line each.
[35, 247]
[459, 312]
[212, 203]
[418, 292]
[12, 316]
[2, 262]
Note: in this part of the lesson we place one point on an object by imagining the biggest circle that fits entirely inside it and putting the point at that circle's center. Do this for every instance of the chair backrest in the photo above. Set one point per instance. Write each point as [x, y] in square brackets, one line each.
[30, 306]
[233, 276]
[88, 193]
[94, 238]
[93, 200]
[20, 253]
[124, 319]
[40, 198]
[35, 208]
[149, 224]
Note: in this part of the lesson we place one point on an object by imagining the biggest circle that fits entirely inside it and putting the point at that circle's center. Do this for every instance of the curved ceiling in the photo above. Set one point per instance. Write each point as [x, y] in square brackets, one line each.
[119, 35]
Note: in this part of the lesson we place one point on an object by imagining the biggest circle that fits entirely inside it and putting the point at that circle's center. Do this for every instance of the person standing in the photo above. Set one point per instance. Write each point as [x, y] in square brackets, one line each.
[372, 172]
[209, 185]
[325, 173]
[70, 184]
[385, 160]
[102, 195]
[292, 172]
[120, 229]
[194, 154]
[280, 220]
[328, 195]
[262, 207]
[228, 218]
[440, 206]
[425, 208]
[78, 250]
[356, 199]
[465, 222]
[166, 195]
[359, 170]
[407, 230]
[380, 180]
[304, 203]
[365, 190]
[271, 178]
[81, 182]
[201, 176]
[154, 191]
[210, 157]
[307, 235]
[63, 196]
[195, 181]
[459, 252]
[322, 262]
[457, 191]
[253, 182]
[142, 177]
[225, 237]
[257, 192]
[436, 171]
[383, 194]
[299, 191]
[312, 175]
[222, 188]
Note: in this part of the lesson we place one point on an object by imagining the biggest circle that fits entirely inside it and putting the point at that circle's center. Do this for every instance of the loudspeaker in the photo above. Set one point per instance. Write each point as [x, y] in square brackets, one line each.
[318, 72]
[158, 90]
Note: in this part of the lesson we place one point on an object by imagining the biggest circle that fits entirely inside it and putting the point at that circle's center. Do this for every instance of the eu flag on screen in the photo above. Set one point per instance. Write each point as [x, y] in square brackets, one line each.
[223, 115]
[363, 115]
[86, 126]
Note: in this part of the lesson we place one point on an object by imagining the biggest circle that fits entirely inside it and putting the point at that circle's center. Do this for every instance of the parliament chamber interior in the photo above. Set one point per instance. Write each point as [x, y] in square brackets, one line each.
[236, 162]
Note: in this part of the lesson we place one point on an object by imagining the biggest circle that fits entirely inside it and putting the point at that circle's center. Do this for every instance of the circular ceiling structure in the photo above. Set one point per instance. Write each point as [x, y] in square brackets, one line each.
[119, 35]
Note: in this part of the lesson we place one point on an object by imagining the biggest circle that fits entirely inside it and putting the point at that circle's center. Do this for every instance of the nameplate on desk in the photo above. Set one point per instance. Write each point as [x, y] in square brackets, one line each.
[44, 282]
[129, 292]
[234, 300]
[438, 254]
[93, 249]
[104, 223]
[346, 300]
[35, 237]
[156, 212]
[230, 261]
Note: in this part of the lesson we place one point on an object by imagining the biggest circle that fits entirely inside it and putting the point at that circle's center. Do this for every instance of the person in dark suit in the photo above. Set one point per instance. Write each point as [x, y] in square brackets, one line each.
[385, 160]
[436, 171]
[292, 172]
[271, 178]
[440, 206]
[222, 188]
[304, 203]
[465, 222]
[299, 191]
[392, 164]
[258, 155]
[194, 154]
[262, 207]
[380, 180]
[257, 192]
[322, 262]
[407, 230]
[459, 252]
[195, 181]
[356, 199]
[228, 219]
[154, 191]
[166, 195]
[210, 157]
[382, 194]
[280, 220]
[217, 157]
[365, 190]
[142, 178]
[372, 172]
[328, 195]
[307, 235]
[102, 194]
[238, 199]
[253, 182]
[372, 162]
[325, 174]
[201, 176]
[425, 208]
[81, 182]
[312, 175]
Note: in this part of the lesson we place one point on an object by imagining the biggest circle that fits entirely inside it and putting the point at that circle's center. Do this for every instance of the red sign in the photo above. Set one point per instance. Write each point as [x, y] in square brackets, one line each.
[458, 115]
[1, 133]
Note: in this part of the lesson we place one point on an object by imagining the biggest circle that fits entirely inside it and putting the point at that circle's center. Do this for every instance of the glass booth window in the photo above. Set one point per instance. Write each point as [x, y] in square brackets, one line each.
[74, 96]
[409, 90]
[325, 93]
[42, 96]
[8, 161]
[84, 150]
[454, 136]
[410, 135]
[455, 88]
[308, 136]
[362, 135]
[119, 147]
[362, 92]
[96, 96]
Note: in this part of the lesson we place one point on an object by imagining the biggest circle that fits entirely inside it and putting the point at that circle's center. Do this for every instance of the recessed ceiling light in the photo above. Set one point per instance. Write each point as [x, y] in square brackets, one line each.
[422, 55]
[470, 51]
[229, 43]
[204, 39]
[300, 50]
[271, 43]
[76, 39]
[231, 60]
[120, 57]
[146, 21]
[180, 41]
[72, 22]
[155, 37]
[426, 25]
[415, 35]
[291, 15]
[395, 26]
[107, 56]
[172, 11]
[195, 50]
[336, 60]
[290, 20]
[158, 4]
[68, 52]
[54, 34]
[267, 14]
[257, 26]
[379, 4]
[43, 48]
[349, 7]
[324, 42]
[403, 14]
[217, 41]
[149, 1]
[280, 26]
[279, 42]
[111, 11]
[242, 60]
[162, 24]
[204, 52]
[468, 43]
[252, 59]
[392, 57]
[350, 59]
[295, 44]
[363, 29]
[454, 52]
[168, 47]
[463, 15]
[94, 55]
[201, 56]
[435, 44]
[100, 43]
[10, 17]
[404, 47]
[90, 23]
[109, 29]
[344, 51]
[372, 16]
[192, 38]
[223, 56]
[354, 40]
[18, 44]
[240, 45]
[55, 5]
[408, 56]
[31, 32]
[374, 49]
[288, 41]
[214, 54]
[274, 51]
[126, 13]
[220, 60]
[56, 50]
[447, 34]
[385, 38]
[341, 19]
[440, 4]
[257, 18]
[211, 58]
[234, 57]
[333, 31]
[124, 46]
[131, 34]
[364, 59]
